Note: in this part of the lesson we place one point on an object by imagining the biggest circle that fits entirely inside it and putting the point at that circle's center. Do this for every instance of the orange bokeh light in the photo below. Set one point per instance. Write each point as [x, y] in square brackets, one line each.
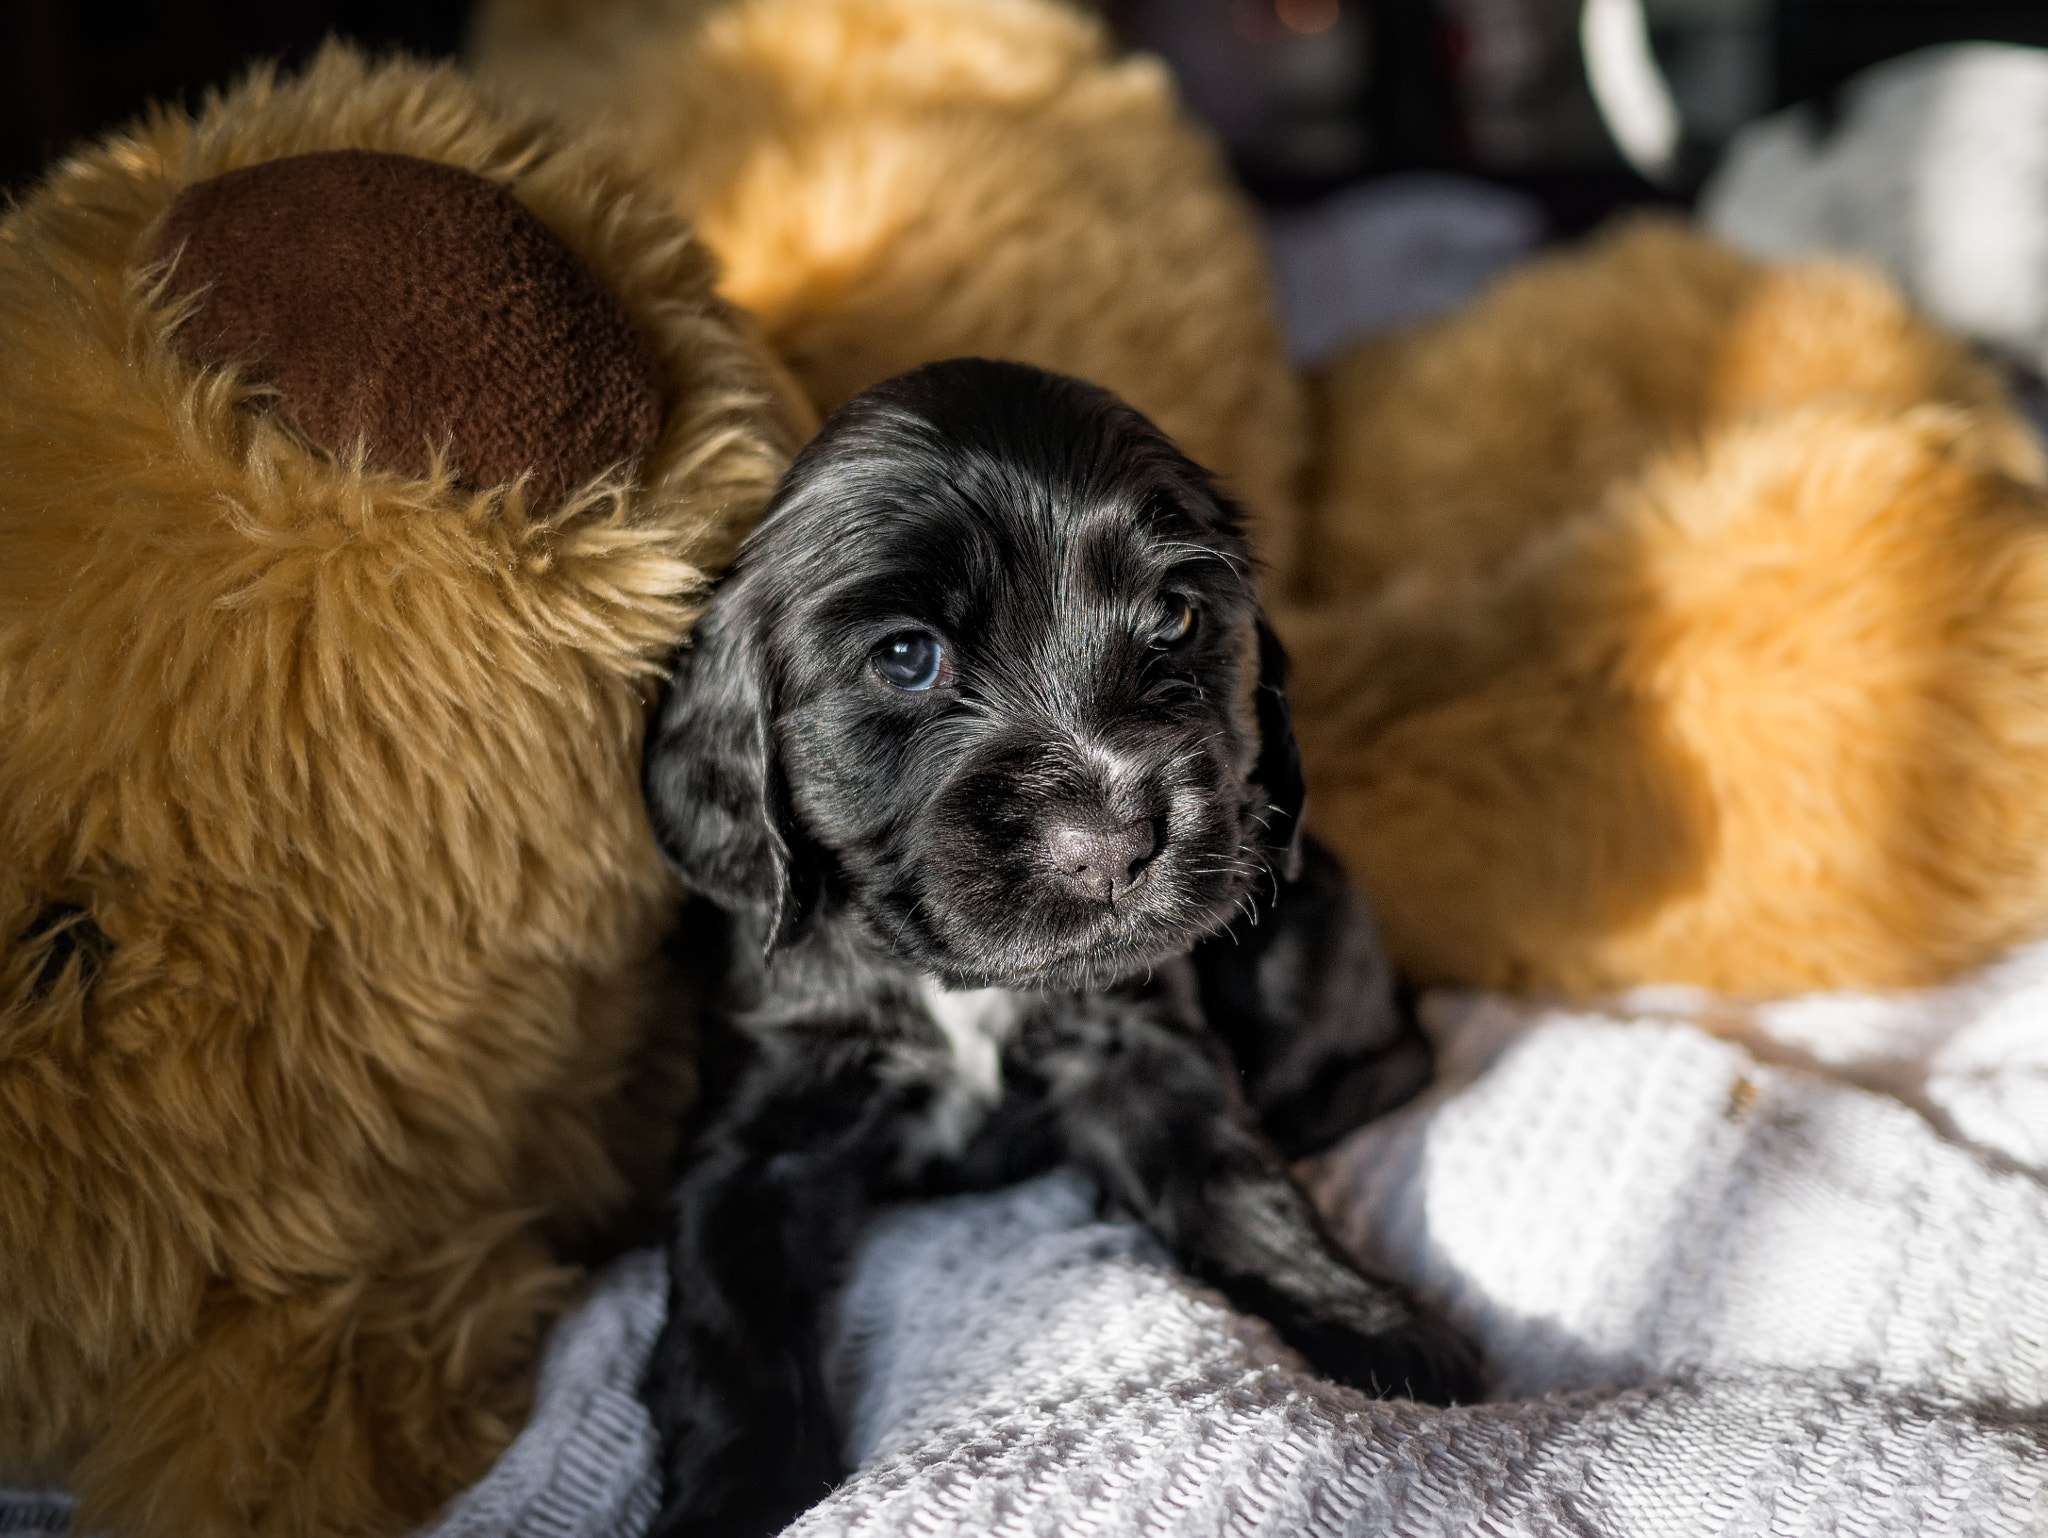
[1307, 15]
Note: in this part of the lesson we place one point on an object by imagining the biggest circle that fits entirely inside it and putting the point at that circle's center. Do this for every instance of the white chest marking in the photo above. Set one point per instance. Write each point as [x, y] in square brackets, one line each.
[975, 1022]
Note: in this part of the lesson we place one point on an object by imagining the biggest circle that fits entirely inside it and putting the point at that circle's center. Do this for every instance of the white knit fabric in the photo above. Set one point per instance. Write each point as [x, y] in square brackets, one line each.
[1753, 1297]
[1608, 1199]
[1775, 1270]
[583, 1468]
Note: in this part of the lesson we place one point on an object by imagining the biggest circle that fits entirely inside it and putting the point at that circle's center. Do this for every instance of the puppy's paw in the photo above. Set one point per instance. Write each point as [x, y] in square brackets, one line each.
[758, 1520]
[743, 1479]
[1424, 1359]
[746, 1442]
[1371, 1336]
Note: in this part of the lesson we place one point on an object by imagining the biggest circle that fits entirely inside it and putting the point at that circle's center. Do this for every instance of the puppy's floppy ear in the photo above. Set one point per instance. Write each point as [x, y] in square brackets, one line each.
[713, 778]
[1279, 768]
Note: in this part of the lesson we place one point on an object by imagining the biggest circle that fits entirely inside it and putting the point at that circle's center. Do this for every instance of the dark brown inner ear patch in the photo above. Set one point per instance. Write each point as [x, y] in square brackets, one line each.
[412, 305]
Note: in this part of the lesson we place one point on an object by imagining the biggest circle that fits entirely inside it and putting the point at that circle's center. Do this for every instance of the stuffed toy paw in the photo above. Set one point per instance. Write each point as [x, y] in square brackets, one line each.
[1669, 617]
[364, 449]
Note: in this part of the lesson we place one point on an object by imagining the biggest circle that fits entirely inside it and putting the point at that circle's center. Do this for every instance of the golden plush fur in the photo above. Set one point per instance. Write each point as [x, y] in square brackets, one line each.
[344, 767]
[1679, 619]
[888, 182]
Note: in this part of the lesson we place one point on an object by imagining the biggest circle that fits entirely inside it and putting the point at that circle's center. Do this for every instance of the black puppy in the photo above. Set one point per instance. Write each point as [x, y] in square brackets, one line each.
[979, 738]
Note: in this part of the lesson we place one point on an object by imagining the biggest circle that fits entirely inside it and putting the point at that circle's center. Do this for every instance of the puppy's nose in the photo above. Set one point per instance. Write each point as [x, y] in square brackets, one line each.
[1100, 863]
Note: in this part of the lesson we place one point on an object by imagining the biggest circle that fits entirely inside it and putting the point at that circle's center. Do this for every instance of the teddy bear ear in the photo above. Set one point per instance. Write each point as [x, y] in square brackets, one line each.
[415, 309]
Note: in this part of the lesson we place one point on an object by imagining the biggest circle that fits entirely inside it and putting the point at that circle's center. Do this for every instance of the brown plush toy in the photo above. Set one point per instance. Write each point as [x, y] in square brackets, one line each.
[1673, 618]
[364, 448]
[363, 452]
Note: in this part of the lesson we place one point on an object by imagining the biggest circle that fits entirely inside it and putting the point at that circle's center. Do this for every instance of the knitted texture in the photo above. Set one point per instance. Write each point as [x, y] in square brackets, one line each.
[1722, 1294]
[584, 1468]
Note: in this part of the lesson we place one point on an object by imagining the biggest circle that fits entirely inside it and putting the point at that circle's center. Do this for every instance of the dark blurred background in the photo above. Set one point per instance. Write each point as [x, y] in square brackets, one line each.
[76, 67]
[1308, 95]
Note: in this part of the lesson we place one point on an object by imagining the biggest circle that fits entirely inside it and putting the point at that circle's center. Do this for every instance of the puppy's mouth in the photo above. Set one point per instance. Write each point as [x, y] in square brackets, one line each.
[1084, 902]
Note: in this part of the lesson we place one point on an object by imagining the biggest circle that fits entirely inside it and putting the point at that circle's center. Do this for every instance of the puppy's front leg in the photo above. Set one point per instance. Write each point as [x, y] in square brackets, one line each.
[1148, 1102]
[764, 1215]
[1307, 1003]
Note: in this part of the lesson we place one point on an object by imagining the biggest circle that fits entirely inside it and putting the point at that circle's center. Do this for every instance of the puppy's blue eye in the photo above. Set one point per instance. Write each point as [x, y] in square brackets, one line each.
[1176, 620]
[912, 660]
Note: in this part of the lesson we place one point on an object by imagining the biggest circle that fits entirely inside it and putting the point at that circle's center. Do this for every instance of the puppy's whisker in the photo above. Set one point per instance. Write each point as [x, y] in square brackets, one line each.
[1205, 553]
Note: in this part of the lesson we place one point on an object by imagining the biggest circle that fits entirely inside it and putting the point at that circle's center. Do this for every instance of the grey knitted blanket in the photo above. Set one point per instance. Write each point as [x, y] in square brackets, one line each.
[1776, 1270]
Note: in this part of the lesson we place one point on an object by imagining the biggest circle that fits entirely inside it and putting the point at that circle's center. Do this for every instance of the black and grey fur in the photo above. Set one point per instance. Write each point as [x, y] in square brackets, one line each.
[981, 736]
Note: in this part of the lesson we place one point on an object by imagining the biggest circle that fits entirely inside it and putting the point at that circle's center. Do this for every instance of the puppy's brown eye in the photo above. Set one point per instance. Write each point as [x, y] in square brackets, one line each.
[912, 660]
[1176, 620]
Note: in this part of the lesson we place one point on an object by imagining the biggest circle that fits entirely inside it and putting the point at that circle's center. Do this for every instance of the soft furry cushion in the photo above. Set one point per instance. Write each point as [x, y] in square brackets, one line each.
[890, 182]
[1679, 619]
[325, 882]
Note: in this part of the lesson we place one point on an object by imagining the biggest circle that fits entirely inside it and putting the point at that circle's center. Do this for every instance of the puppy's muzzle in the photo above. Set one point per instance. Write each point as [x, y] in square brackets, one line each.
[1101, 863]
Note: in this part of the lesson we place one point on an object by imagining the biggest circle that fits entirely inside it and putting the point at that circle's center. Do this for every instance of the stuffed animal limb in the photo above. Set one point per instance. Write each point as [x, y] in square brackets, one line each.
[363, 452]
[1680, 620]
[1449, 445]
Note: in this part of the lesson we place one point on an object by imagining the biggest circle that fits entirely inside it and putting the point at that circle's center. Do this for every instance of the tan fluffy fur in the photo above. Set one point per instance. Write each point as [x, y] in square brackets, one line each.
[345, 766]
[1680, 619]
[889, 182]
